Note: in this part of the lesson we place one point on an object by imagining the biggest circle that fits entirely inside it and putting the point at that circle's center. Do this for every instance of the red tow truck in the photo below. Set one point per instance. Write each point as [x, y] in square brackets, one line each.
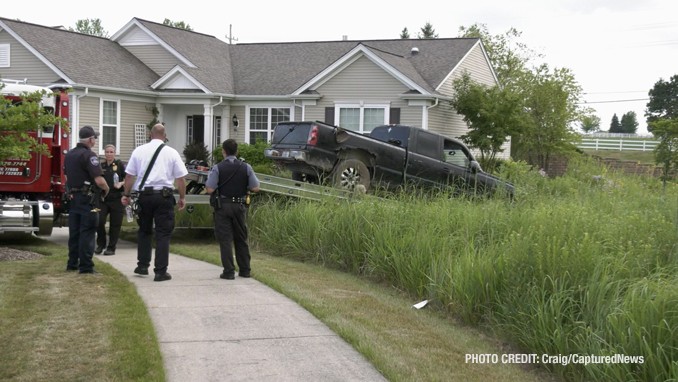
[32, 192]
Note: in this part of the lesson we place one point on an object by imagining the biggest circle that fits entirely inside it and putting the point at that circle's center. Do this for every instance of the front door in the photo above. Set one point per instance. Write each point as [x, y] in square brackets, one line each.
[199, 128]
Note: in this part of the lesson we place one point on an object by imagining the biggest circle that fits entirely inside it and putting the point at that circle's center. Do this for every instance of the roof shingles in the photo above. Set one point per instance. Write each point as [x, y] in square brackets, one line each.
[243, 69]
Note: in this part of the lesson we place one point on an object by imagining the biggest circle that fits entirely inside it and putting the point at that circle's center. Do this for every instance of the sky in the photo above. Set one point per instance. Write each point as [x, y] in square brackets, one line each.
[616, 49]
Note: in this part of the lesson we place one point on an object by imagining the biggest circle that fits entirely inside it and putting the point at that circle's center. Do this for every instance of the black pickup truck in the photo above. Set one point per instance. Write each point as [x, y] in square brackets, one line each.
[391, 155]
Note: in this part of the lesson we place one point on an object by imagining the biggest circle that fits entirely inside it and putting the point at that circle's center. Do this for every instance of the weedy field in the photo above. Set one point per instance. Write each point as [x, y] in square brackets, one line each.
[582, 264]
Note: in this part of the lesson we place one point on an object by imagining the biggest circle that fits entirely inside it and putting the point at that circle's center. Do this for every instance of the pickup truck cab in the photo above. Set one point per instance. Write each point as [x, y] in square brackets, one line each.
[390, 156]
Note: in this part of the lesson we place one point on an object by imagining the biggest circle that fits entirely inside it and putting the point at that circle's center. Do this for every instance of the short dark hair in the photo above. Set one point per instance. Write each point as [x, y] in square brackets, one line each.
[230, 146]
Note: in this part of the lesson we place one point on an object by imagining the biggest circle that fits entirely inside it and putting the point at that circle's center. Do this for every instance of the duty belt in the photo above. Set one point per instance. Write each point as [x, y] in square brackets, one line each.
[231, 199]
[79, 189]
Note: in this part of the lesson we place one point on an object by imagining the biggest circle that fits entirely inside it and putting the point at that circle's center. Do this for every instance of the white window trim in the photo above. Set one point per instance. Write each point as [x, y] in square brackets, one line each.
[270, 128]
[5, 64]
[362, 106]
[101, 125]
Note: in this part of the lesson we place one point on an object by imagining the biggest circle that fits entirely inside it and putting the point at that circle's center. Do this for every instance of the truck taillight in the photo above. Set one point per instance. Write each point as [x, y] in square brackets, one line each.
[313, 136]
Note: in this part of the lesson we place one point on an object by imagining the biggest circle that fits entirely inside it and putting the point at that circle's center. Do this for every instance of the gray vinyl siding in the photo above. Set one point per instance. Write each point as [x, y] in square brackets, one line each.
[443, 118]
[476, 65]
[297, 113]
[131, 113]
[24, 64]
[363, 81]
[240, 135]
[155, 57]
[88, 108]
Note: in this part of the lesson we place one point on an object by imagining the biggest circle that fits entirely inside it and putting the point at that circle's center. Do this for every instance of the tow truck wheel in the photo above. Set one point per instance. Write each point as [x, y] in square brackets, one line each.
[351, 173]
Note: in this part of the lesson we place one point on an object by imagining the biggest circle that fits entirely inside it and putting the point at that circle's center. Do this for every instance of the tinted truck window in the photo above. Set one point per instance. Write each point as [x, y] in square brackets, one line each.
[292, 133]
[397, 135]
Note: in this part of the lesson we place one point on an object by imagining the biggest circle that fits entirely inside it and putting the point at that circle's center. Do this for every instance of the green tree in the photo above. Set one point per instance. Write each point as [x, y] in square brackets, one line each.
[629, 123]
[405, 33]
[17, 119]
[615, 126]
[666, 152]
[663, 102]
[89, 26]
[550, 99]
[177, 24]
[590, 123]
[493, 114]
[509, 56]
[427, 31]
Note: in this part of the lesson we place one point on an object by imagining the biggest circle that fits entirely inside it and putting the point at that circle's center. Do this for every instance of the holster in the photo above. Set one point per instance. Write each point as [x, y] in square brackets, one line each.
[215, 201]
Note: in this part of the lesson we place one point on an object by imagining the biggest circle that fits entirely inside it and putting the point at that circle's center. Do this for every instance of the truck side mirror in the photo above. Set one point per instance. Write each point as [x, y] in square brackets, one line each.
[475, 167]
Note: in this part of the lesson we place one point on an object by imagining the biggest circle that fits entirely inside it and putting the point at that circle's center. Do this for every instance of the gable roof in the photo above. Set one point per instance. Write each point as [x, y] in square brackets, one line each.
[282, 68]
[209, 55]
[213, 66]
[83, 59]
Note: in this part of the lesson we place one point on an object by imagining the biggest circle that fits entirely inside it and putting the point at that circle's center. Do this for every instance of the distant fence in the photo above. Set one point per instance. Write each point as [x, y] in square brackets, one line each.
[617, 144]
[618, 135]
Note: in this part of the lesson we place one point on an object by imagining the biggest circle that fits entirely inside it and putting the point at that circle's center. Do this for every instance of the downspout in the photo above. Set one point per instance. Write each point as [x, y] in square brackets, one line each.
[425, 125]
[76, 113]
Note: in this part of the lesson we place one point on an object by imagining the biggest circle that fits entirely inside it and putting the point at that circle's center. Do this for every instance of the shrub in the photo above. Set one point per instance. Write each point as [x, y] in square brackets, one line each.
[197, 151]
[253, 154]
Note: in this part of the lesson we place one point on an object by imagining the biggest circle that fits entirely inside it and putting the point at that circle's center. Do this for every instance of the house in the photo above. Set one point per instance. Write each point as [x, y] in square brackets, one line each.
[206, 90]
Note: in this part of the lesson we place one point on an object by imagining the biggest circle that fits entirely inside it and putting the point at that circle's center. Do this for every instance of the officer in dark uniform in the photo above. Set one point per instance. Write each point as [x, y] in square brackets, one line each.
[83, 174]
[231, 179]
[114, 173]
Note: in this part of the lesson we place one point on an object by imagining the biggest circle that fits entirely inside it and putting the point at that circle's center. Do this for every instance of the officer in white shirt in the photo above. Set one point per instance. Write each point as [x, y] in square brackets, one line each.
[156, 199]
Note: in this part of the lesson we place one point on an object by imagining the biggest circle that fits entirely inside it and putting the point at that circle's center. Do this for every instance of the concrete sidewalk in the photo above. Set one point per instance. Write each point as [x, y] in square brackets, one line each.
[211, 329]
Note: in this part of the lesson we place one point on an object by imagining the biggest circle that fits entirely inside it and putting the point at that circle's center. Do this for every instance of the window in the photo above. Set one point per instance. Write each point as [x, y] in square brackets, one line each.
[262, 120]
[110, 125]
[428, 144]
[361, 118]
[189, 129]
[217, 131]
[4, 55]
[454, 154]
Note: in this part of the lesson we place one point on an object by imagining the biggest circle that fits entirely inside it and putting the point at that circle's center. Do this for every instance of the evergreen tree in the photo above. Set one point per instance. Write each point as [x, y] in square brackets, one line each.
[405, 33]
[427, 31]
[629, 123]
[615, 126]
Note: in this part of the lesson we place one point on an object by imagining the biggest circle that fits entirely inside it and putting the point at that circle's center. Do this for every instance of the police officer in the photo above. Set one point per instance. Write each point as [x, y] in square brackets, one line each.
[83, 172]
[231, 179]
[156, 199]
[114, 173]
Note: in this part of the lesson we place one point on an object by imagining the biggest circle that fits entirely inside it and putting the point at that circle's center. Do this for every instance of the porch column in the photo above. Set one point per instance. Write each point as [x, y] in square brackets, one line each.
[209, 130]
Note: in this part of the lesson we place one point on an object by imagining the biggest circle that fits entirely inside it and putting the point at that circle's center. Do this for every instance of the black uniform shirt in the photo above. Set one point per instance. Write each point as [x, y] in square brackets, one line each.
[81, 165]
[116, 167]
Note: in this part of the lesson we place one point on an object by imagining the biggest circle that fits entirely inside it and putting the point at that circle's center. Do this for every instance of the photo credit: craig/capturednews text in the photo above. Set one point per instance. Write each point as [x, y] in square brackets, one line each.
[552, 359]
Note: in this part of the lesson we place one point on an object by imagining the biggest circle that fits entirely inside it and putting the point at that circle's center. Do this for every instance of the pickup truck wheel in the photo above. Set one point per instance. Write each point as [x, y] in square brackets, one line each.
[350, 173]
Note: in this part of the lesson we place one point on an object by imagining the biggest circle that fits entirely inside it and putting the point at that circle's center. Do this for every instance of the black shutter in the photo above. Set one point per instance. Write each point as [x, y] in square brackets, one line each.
[394, 116]
[329, 115]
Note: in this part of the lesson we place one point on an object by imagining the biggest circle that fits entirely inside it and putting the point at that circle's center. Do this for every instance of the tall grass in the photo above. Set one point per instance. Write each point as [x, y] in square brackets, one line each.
[583, 264]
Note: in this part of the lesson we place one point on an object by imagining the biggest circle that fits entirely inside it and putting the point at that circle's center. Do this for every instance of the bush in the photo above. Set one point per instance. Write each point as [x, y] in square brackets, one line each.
[196, 150]
[253, 154]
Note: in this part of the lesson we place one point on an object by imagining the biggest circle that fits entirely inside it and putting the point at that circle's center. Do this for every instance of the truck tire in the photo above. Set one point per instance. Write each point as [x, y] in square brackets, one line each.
[351, 173]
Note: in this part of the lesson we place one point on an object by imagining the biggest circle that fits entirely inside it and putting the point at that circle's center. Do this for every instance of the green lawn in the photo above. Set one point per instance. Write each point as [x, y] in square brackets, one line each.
[62, 326]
